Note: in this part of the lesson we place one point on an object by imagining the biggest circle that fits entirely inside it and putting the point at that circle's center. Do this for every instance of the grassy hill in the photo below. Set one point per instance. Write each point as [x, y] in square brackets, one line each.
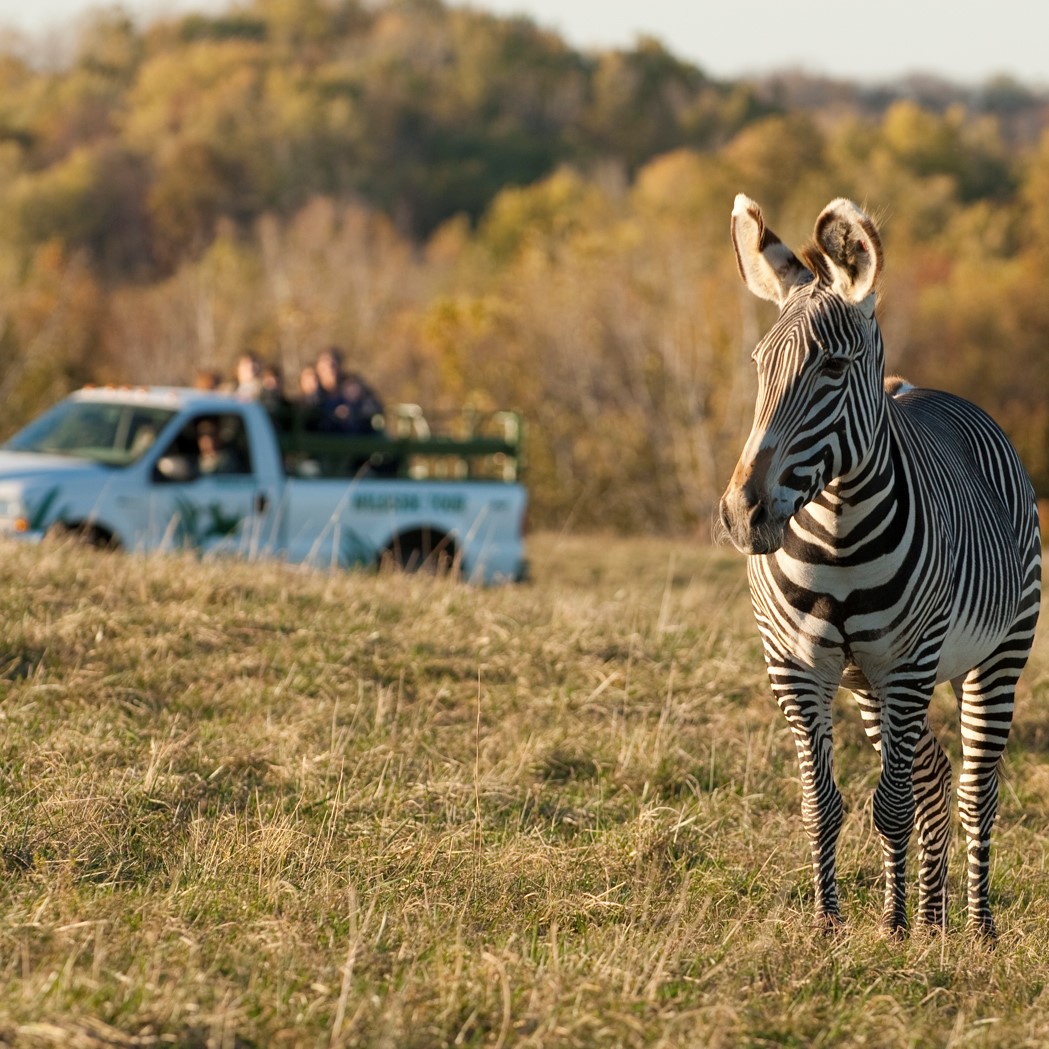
[246, 805]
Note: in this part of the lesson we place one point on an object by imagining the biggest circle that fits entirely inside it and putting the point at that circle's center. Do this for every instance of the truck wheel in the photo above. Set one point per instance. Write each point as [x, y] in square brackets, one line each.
[421, 550]
[85, 535]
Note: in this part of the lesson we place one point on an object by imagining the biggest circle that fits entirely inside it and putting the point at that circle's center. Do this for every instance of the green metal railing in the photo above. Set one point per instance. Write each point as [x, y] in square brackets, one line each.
[467, 445]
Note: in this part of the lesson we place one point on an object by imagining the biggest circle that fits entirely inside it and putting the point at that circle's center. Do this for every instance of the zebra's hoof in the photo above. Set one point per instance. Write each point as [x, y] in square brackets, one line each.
[931, 926]
[829, 924]
[982, 929]
[894, 927]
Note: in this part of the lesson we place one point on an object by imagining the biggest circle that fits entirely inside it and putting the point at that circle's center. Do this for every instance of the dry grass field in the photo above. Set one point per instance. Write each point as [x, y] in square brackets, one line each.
[245, 805]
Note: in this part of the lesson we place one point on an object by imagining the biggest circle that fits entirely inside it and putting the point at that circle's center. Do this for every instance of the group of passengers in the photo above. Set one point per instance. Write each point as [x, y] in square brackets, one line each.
[341, 400]
[332, 399]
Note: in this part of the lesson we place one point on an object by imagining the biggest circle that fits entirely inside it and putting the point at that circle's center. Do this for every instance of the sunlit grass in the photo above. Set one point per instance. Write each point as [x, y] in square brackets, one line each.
[247, 805]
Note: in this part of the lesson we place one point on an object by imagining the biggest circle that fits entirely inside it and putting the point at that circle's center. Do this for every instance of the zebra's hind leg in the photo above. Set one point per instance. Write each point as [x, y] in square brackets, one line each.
[986, 716]
[913, 791]
[932, 818]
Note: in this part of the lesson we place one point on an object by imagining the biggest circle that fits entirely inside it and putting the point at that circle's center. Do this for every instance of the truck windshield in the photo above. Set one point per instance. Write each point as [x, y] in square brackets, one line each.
[115, 434]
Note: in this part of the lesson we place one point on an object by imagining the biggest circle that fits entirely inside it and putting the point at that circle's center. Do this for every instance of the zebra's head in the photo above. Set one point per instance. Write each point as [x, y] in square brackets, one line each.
[820, 368]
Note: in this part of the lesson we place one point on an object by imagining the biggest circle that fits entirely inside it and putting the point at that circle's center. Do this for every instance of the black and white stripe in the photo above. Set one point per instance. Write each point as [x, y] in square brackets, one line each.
[894, 544]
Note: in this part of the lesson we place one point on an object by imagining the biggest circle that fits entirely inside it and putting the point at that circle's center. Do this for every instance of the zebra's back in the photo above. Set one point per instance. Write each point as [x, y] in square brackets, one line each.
[963, 454]
[984, 511]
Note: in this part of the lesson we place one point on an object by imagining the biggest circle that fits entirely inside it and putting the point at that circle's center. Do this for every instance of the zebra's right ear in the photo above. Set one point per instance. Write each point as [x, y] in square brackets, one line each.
[768, 267]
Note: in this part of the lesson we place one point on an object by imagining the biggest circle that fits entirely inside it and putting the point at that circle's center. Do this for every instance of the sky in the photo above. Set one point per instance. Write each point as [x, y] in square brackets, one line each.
[960, 40]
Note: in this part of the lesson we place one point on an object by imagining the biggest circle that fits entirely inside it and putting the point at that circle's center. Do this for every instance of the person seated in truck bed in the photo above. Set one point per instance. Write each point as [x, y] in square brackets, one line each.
[248, 375]
[273, 398]
[347, 403]
[309, 387]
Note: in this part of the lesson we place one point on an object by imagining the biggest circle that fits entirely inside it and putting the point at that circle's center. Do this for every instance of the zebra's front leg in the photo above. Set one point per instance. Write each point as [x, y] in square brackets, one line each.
[805, 703]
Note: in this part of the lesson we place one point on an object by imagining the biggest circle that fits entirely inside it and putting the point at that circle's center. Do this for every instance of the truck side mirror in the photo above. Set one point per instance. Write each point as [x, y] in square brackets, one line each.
[177, 469]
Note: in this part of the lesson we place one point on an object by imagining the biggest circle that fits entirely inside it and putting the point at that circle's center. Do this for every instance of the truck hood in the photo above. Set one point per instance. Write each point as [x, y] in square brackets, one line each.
[27, 466]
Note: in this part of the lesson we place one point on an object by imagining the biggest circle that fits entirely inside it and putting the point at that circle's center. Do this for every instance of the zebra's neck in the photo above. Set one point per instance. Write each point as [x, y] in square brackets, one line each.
[864, 501]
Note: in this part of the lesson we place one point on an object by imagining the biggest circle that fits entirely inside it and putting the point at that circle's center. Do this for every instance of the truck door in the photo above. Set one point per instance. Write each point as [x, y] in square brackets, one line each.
[204, 493]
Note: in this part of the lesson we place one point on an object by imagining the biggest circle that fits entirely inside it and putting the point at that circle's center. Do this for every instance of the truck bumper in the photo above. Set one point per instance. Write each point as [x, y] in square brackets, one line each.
[11, 530]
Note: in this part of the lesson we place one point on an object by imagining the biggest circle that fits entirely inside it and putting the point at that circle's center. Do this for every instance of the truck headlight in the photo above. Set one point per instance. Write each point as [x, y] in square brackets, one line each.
[13, 517]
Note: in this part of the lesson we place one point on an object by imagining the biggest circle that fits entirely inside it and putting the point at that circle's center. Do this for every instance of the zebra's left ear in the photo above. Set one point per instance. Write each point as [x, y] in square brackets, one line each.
[849, 241]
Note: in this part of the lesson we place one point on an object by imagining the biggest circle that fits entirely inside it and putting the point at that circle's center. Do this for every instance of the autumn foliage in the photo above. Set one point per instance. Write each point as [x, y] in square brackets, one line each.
[481, 215]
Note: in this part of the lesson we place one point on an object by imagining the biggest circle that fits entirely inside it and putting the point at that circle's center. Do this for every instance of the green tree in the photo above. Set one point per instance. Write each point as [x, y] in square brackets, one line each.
[54, 322]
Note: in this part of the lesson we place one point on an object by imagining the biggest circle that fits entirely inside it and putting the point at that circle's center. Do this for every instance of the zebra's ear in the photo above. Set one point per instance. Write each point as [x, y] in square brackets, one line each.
[768, 267]
[849, 241]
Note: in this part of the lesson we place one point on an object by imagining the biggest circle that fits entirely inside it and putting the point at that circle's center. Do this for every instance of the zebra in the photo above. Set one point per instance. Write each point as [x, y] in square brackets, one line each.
[893, 543]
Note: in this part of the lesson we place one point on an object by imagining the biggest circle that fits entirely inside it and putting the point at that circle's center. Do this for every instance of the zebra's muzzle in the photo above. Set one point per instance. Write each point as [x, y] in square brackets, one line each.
[752, 515]
[750, 522]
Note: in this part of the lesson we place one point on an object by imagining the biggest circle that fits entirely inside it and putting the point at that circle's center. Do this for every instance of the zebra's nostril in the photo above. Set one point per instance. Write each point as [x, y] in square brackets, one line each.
[758, 515]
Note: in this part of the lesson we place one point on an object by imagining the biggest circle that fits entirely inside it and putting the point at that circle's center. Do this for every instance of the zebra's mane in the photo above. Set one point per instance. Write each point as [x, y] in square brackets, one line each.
[816, 263]
[897, 386]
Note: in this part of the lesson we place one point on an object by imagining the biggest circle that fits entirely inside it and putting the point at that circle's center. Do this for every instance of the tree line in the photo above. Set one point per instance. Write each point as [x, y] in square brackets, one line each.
[482, 215]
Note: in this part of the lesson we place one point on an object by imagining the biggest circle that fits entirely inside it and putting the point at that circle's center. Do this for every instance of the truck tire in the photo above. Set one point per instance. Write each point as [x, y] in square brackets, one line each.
[422, 550]
[84, 534]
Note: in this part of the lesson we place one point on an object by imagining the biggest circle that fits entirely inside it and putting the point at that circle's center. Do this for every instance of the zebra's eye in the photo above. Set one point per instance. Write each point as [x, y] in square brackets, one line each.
[834, 367]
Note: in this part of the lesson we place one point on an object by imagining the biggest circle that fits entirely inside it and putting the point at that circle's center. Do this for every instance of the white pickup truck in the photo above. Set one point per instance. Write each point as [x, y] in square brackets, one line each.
[162, 467]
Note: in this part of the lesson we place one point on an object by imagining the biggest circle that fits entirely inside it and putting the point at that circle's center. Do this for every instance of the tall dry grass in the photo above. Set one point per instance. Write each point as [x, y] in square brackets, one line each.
[246, 805]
